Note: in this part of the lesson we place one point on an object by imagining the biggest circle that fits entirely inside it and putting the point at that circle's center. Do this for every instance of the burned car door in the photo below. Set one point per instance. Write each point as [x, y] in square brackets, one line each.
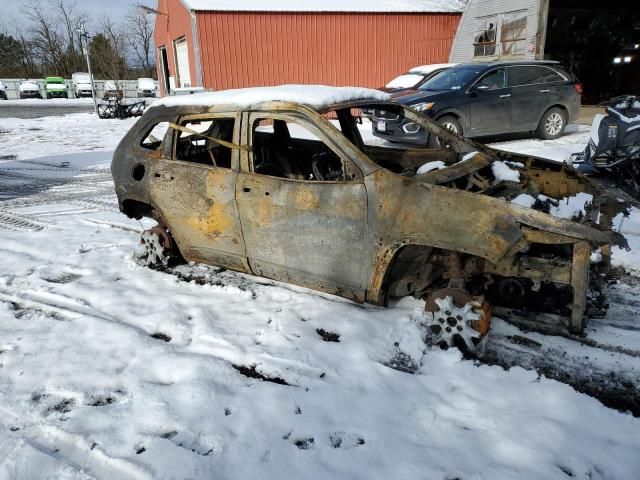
[194, 190]
[303, 207]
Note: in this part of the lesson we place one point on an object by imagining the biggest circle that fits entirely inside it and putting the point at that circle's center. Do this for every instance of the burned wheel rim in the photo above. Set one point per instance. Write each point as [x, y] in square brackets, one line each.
[554, 123]
[454, 316]
[156, 246]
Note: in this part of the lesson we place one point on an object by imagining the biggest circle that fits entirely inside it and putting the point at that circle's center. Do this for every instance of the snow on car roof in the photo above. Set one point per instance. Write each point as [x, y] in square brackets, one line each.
[314, 96]
[426, 69]
[327, 5]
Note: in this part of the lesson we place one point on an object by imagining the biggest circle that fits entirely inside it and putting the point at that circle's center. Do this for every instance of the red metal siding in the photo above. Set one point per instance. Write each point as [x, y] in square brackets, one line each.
[247, 49]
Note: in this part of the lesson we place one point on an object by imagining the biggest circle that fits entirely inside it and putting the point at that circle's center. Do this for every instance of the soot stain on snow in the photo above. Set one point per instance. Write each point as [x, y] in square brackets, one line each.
[215, 277]
[227, 412]
[305, 443]
[140, 450]
[168, 435]
[101, 401]
[27, 312]
[251, 372]
[64, 406]
[567, 471]
[328, 336]
[343, 440]
[161, 336]
[402, 363]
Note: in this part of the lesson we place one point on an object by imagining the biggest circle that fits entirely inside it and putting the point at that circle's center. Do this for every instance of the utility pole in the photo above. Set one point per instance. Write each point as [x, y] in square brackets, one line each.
[85, 49]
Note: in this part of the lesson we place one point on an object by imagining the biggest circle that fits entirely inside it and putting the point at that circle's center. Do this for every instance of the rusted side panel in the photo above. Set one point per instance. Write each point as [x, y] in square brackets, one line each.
[240, 49]
[311, 234]
[197, 203]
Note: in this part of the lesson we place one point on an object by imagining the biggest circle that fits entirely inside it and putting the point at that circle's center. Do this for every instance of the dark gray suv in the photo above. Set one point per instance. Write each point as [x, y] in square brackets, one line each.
[487, 99]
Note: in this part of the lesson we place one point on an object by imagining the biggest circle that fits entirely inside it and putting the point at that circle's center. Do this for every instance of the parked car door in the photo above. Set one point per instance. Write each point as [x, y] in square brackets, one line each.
[490, 104]
[195, 191]
[533, 91]
[303, 220]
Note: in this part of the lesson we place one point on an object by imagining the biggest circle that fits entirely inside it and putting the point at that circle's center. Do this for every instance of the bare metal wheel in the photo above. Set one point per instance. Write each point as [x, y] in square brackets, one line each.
[552, 124]
[157, 247]
[456, 318]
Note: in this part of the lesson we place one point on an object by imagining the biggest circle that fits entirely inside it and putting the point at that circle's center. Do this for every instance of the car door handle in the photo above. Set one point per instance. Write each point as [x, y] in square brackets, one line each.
[546, 90]
[506, 95]
[164, 176]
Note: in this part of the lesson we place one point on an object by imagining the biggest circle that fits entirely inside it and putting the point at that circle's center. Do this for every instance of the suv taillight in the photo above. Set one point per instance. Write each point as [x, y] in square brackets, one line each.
[578, 87]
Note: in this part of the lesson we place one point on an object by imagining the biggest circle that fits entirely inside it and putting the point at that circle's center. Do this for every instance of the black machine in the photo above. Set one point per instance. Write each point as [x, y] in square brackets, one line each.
[118, 108]
[613, 152]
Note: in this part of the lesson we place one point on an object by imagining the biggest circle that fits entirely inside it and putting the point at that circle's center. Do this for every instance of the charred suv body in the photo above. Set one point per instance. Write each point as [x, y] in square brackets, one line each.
[288, 183]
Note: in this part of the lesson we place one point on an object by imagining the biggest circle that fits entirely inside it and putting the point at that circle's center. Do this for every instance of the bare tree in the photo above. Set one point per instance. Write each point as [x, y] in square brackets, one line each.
[140, 37]
[53, 38]
[116, 36]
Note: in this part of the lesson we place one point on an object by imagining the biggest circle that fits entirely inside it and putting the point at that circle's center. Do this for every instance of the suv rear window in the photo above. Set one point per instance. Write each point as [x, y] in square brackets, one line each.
[531, 75]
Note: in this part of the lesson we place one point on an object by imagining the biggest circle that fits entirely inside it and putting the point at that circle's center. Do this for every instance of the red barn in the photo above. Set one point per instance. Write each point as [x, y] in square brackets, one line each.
[219, 44]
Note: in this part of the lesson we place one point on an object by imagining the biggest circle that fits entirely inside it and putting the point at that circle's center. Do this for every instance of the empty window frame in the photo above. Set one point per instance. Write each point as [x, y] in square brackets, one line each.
[484, 36]
[288, 149]
[197, 142]
[513, 33]
[153, 139]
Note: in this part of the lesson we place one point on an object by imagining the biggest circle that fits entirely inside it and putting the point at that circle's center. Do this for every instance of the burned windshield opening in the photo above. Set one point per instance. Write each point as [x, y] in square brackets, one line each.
[385, 134]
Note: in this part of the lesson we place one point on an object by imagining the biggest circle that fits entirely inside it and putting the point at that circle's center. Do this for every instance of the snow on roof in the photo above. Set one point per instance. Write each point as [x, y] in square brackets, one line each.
[413, 6]
[314, 96]
[427, 69]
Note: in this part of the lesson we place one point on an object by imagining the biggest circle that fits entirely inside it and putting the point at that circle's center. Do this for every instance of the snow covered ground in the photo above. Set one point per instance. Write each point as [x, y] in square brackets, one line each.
[110, 370]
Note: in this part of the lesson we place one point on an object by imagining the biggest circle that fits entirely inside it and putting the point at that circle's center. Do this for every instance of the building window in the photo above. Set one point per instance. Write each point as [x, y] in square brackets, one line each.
[513, 33]
[484, 37]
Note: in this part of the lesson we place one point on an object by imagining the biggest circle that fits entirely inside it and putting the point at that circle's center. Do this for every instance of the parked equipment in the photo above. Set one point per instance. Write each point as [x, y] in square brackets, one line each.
[118, 108]
[613, 152]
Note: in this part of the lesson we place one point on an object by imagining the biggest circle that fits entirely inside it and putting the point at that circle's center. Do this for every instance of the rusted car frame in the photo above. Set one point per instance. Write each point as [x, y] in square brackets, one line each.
[452, 236]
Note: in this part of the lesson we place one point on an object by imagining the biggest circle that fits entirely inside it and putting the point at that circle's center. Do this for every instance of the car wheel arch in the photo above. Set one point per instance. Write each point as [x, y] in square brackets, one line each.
[385, 271]
[455, 114]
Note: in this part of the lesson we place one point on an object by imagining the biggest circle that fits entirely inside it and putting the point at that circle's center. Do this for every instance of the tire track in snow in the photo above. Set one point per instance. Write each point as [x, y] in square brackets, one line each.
[14, 221]
[73, 450]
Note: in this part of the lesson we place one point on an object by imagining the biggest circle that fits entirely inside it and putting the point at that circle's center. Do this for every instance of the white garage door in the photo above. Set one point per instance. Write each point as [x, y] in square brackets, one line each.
[182, 61]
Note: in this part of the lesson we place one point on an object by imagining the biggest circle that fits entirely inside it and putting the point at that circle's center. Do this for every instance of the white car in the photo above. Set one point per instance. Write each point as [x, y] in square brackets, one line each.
[415, 77]
[81, 84]
[29, 89]
[3, 91]
[146, 87]
[111, 90]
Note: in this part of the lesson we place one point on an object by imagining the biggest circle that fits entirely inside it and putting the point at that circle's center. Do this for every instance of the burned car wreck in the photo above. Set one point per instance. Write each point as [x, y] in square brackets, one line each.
[289, 183]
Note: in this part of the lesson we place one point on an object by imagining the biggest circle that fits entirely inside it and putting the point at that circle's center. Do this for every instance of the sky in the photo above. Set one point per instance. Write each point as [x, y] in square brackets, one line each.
[11, 9]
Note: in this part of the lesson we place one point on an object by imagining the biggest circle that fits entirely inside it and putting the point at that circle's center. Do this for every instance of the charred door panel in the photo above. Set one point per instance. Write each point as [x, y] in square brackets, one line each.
[198, 205]
[307, 233]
